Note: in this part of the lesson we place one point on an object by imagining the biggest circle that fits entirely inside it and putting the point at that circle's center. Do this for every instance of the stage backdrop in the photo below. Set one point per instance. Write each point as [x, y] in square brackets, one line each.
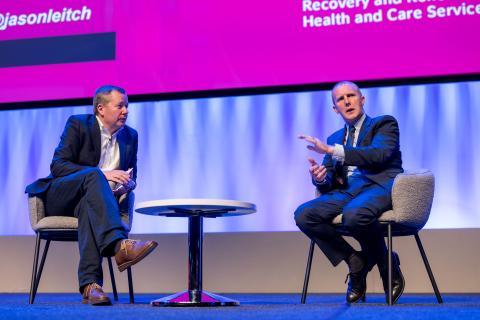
[246, 148]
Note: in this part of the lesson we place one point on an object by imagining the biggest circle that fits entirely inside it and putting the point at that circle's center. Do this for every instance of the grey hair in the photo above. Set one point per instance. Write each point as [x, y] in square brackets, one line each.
[102, 92]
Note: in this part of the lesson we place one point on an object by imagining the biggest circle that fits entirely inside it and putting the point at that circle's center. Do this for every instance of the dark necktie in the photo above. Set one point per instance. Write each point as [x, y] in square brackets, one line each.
[351, 136]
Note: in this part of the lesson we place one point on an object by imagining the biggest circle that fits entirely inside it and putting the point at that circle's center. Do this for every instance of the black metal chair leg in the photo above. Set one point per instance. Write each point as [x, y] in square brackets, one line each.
[390, 252]
[34, 270]
[429, 270]
[307, 272]
[40, 268]
[112, 277]
[130, 285]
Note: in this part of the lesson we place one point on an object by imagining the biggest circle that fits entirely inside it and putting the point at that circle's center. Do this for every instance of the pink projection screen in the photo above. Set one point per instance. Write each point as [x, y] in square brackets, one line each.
[61, 50]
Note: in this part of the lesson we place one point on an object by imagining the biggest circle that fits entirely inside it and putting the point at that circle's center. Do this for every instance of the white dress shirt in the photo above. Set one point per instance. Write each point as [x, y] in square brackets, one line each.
[110, 151]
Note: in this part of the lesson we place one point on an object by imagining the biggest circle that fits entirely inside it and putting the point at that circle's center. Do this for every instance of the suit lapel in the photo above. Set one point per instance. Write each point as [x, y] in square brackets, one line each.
[339, 136]
[95, 136]
[363, 131]
[122, 145]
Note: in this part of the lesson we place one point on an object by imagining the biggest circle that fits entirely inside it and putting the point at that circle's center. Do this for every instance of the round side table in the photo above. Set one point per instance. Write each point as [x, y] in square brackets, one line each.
[195, 210]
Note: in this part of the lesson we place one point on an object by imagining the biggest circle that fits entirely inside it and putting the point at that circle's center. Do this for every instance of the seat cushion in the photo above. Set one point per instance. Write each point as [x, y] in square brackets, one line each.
[61, 222]
[387, 216]
[38, 221]
[56, 222]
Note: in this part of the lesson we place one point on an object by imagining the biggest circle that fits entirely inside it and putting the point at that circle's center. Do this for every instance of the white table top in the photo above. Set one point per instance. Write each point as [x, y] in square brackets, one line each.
[203, 207]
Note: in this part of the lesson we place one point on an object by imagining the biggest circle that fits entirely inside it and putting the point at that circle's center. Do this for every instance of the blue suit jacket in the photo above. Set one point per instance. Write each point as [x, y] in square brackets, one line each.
[79, 148]
[377, 154]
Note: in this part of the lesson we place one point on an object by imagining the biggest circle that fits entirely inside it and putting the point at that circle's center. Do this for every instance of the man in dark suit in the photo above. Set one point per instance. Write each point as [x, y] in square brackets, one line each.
[355, 179]
[94, 164]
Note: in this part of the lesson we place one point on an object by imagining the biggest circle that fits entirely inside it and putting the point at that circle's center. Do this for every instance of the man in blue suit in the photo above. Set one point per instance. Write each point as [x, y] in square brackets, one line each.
[355, 179]
[94, 164]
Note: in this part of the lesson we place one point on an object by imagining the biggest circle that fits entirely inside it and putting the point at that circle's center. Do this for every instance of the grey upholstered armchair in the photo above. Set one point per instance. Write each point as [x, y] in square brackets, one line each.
[412, 197]
[64, 228]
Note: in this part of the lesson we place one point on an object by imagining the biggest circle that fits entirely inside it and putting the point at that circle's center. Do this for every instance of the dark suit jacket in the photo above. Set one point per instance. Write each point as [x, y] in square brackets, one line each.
[79, 148]
[377, 154]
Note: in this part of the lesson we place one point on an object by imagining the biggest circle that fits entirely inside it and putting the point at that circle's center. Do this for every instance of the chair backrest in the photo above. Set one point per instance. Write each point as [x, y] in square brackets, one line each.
[36, 208]
[412, 198]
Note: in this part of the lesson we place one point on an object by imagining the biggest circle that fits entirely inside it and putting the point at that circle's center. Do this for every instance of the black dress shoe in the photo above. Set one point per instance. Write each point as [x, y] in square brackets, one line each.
[357, 286]
[398, 282]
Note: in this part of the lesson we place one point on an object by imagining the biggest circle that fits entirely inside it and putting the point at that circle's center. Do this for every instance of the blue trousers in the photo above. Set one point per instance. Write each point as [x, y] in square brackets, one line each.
[87, 195]
[360, 204]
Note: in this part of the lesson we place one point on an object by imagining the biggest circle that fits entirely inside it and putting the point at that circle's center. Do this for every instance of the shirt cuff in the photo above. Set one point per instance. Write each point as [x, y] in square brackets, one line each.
[320, 183]
[338, 152]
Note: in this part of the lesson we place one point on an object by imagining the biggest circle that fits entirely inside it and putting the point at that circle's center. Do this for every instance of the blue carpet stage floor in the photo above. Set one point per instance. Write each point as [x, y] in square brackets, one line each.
[253, 306]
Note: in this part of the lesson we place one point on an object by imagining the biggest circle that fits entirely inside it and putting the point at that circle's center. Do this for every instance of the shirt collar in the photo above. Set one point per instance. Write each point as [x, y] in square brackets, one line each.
[104, 131]
[359, 123]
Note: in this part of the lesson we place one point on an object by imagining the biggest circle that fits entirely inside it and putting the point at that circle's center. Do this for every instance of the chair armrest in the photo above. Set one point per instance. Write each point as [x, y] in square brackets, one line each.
[412, 197]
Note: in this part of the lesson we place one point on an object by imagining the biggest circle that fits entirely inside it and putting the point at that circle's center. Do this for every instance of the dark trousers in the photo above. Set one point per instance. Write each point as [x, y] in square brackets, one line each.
[360, 204]
[86, 195]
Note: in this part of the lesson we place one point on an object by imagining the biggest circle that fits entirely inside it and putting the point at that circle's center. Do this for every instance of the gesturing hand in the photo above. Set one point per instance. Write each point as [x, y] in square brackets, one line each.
[318, 172]
[316, 145]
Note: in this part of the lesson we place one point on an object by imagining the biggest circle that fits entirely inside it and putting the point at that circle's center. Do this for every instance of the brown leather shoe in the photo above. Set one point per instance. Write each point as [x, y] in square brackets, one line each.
[132, 251]
[93, 294]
